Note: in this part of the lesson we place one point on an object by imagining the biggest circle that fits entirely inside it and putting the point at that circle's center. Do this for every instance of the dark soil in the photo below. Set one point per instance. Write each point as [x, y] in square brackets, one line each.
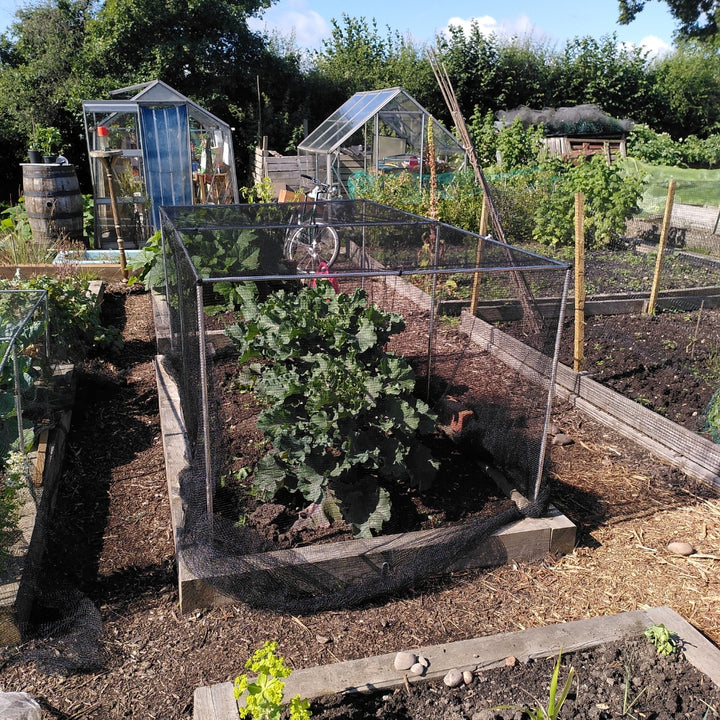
[619, 679]
[669, 362]
[111, 642]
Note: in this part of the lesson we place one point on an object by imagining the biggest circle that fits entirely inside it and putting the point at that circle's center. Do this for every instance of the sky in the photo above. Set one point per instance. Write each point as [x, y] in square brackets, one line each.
[552, 22]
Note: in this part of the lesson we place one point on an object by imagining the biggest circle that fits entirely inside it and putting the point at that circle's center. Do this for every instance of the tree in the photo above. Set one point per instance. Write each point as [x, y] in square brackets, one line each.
[686, 86]
[38, 58]
[696, 19]
[604, 73]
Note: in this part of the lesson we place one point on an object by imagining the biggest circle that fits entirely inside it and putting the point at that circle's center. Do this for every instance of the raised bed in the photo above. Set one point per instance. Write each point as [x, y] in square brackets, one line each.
[695, 455]
[217, 702]
[527, 539]
[19, 578]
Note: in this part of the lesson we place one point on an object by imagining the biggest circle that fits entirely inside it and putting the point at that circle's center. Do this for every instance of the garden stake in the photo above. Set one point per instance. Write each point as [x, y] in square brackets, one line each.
[661, 247]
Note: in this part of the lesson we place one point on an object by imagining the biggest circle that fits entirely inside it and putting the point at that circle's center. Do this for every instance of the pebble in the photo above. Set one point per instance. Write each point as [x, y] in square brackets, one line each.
[680, 548]
[405, 660]
[467, 677]
[418, 669]
[453, 678]
[562, 439]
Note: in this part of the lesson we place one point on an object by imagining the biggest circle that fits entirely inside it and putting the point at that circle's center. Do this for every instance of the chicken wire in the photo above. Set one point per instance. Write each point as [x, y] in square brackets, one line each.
[430, 273]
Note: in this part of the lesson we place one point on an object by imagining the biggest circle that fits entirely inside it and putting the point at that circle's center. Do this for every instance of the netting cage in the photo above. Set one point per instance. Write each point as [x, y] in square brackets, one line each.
[24, 349]
[336, 379]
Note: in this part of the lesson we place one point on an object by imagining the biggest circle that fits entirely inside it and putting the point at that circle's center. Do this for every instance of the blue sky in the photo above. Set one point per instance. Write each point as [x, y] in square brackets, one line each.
[553, 22]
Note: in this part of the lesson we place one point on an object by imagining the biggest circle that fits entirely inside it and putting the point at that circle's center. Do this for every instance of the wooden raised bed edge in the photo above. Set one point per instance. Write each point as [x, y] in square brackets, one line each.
[108, 272]
[217, 702]
[19, 579]
[526, 539]
[18, 582]
[695, 455]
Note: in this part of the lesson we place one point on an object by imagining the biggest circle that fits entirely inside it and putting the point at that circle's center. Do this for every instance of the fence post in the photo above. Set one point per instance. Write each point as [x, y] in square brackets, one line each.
[661, 247]
[579, 346]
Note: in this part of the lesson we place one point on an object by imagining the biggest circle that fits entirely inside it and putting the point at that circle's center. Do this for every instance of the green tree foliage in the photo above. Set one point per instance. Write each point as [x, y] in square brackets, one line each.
[695, 19]
[604, 73]
[38, 68]
[357, 57]
[686, 86]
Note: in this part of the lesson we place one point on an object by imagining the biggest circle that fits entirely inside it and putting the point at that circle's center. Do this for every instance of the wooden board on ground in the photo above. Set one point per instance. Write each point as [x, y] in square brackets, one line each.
[217, 702]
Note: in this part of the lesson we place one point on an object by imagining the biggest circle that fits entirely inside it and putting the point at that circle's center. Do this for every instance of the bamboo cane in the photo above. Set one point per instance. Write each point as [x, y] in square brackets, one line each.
[661, 247]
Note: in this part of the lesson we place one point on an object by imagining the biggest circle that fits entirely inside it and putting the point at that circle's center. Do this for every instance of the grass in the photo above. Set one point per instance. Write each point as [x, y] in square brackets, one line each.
[693, 187]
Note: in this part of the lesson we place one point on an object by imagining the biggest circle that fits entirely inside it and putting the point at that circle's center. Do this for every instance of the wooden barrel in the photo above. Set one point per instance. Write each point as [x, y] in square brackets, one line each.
[53, 202]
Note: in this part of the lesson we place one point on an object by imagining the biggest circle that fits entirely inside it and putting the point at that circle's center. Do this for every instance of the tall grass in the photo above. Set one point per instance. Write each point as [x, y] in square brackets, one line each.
[17, 246]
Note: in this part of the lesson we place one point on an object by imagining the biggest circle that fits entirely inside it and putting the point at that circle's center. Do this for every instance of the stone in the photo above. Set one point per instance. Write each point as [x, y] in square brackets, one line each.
[453, 678]
[405, 660]
[423, 661]
[418, 669]
[19, 706]
[562, 439]
[680, 548]
[467, 677]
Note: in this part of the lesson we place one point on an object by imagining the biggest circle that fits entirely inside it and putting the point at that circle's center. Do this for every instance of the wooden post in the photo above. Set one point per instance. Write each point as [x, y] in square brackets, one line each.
[579, 347]
[479, 256]
[661, 247]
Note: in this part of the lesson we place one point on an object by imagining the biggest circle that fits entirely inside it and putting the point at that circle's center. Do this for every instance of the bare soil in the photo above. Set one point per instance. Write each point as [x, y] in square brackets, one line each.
[618, 679]
[112, 643]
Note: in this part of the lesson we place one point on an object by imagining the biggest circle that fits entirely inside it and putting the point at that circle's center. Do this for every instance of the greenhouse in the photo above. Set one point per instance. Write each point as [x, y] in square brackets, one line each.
[382, 132]
[151, 146]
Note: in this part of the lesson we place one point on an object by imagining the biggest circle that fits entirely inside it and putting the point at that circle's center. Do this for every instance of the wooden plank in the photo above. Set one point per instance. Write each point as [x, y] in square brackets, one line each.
[321, 568]
[214, 702]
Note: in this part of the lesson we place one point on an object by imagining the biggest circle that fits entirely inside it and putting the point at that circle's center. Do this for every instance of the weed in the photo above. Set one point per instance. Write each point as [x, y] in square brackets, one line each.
[665, 642]
[555, 701]
[628, 704]
[264, 695]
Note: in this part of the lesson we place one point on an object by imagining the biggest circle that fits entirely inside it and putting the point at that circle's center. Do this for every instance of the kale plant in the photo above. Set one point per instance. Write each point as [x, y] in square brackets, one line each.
[340, 412]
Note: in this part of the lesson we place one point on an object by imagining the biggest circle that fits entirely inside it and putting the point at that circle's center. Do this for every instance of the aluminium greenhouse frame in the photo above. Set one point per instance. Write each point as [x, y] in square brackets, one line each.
[381, 132]
[157, 147]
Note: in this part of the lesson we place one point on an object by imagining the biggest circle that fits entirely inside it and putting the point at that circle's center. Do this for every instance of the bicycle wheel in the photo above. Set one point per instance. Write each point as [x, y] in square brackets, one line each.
[312, 244]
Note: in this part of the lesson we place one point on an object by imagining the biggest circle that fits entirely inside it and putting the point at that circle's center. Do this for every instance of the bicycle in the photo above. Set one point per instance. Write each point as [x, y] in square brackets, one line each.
[314, 241]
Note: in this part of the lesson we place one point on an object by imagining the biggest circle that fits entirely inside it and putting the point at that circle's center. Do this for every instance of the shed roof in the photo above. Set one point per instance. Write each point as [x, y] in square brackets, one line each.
[394, 106]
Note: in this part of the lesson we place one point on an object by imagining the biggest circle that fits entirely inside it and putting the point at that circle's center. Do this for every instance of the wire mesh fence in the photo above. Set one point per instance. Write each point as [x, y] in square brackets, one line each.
[24, 347]
[354, 425]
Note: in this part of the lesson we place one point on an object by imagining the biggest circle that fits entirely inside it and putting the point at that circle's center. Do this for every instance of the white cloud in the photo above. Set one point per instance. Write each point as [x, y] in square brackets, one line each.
[655, 46]
[520, 26]
[307, 27]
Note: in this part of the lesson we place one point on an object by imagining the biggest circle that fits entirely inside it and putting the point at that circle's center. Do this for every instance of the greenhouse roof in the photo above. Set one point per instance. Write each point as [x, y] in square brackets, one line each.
[395, 108]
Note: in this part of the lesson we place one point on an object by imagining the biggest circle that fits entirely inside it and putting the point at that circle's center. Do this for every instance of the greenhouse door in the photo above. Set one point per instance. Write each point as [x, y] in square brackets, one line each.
[166, 143]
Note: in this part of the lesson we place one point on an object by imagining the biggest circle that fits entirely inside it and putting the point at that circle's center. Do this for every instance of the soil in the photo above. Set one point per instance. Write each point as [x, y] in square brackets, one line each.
[657, 687]
[111, 642]
[669, 362]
